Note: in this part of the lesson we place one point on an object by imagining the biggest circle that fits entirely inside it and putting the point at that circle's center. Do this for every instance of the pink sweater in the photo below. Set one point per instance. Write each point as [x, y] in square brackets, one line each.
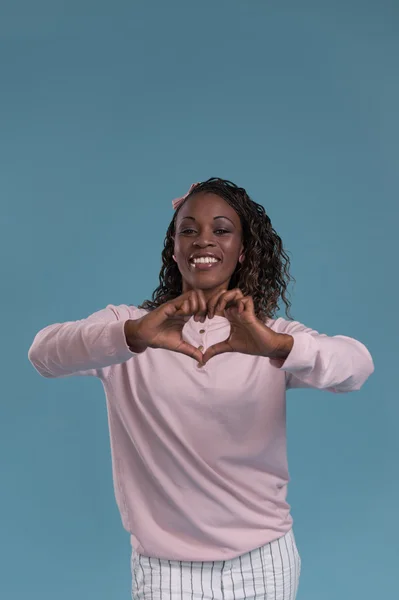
[198, 454]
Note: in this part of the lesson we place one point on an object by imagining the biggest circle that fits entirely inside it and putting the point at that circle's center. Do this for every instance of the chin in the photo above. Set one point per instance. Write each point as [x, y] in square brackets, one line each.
[204, 283]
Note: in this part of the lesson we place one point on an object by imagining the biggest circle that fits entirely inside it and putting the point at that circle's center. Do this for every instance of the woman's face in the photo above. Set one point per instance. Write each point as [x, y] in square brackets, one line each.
[207, 225]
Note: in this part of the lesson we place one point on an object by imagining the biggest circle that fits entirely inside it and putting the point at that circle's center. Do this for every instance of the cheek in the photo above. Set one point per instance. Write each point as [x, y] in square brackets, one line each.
[180, 246]
[178, 252]
[232, 252]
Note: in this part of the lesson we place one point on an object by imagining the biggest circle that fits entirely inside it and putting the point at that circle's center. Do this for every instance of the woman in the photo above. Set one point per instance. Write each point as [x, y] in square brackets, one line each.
[199, 446]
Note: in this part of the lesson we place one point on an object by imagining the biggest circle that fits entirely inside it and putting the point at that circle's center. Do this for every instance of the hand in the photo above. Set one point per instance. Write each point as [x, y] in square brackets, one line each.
[162, 327]
[248, 334]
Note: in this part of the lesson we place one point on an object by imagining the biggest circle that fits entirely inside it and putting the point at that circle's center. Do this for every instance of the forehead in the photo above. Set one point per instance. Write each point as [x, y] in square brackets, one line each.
[205, 206]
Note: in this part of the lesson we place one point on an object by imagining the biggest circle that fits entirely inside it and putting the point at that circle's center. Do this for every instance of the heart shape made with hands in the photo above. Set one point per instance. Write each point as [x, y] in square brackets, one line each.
[162, 327]
[248, 334]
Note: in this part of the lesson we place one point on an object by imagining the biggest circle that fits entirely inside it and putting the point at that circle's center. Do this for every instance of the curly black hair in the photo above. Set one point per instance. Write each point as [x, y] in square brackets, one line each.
[264, 273]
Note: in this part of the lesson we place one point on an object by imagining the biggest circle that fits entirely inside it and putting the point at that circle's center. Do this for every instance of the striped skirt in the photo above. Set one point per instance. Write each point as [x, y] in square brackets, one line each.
[270, 572]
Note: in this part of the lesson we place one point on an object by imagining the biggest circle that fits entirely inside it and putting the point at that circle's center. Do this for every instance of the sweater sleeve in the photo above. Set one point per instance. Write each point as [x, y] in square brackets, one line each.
[336, 364]
[84, 347]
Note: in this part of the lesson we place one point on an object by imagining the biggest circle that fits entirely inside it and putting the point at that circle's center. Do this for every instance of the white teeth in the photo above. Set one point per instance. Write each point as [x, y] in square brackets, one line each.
[207, 259]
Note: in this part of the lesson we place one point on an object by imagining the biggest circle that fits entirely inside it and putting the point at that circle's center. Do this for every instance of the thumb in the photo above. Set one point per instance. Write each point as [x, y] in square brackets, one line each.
[216, 349]
[189, 350]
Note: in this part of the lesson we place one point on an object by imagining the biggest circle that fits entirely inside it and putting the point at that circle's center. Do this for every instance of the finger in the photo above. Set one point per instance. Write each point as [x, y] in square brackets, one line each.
[202, 307]
[211, 304]
[183, 307]
[231, 297]
[232, 311]
[240, 305]
[246, 307]
[189, 350]
[199, 305]
[193, 300]
[171, 308]
[216, 349]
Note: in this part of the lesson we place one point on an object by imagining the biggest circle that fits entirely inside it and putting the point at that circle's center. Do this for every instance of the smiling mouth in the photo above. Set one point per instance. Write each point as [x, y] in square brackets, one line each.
[203, 266]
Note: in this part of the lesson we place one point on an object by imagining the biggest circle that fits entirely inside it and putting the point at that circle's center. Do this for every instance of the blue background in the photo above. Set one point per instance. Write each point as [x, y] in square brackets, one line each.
[108, 111]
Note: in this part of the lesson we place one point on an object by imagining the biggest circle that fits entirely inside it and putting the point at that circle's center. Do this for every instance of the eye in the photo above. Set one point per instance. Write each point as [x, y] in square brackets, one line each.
[188, 230]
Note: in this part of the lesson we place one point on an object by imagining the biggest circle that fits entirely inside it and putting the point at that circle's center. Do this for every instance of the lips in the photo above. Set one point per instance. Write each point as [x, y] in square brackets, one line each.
[204, 266]
[204, 255]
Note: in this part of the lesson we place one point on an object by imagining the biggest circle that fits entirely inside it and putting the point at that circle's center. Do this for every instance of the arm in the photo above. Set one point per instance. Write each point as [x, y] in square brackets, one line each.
[337, 364]
[82, 347]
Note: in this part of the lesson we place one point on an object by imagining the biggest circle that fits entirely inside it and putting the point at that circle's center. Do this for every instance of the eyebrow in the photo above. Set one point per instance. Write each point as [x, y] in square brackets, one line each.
[220, 217]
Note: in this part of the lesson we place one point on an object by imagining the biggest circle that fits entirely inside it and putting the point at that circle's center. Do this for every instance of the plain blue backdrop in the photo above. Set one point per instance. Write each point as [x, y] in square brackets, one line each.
[108, 111]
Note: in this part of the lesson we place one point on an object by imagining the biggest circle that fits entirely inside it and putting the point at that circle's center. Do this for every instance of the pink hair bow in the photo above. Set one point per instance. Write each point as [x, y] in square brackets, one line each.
[177, 201]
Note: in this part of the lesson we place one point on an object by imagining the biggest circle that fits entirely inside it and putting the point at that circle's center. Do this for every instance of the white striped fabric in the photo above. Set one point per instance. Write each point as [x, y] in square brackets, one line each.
[269, 573]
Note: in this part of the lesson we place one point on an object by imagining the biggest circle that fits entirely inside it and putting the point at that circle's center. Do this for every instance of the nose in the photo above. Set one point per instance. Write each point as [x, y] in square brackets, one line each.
[203, 244]
[203, 240]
